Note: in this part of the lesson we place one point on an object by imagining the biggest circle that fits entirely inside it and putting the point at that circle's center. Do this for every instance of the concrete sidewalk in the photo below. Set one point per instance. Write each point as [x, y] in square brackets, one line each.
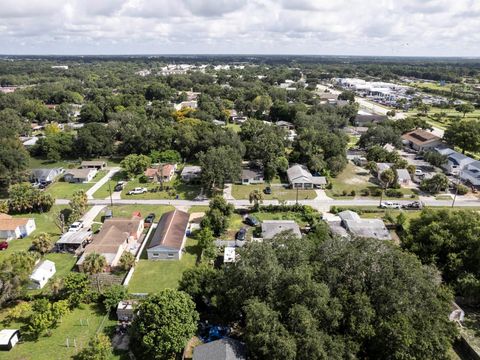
[101, 182]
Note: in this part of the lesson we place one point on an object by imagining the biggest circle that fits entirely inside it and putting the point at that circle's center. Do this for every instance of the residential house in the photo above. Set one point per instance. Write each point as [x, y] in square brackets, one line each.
[456, 162]
[15, 228]
[45, 175]
[168, 240]
[9, 338]
[223, 349]
[190, 173]
[192, 104]
[421, 140]
[79, 175]
[271, 228]
[125, 310]
[239, 119]
[381, 167]
[368, 119]
[285, 125]
[116, 236]
[95, 164]
[252, 176]
[229, 254]
[356, 226]
[42, 273]
[29, 140]
[165, 171]
[300, 178]
[471, 173]
[404, 178]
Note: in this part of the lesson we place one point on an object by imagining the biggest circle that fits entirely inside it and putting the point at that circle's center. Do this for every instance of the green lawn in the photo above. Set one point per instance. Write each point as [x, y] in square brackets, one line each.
[105, 189]
[151, 276]
[171, 190]
[65, 190]
[36, 163]
[127, 210]
[235, 127]
[54, 347]
[44, 223]
[241, 192]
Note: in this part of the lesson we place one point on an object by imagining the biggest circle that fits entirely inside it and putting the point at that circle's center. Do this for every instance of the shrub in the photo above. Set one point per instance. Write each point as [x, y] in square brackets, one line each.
[143, 179]
[376, 192]
[365, 192]
[394, 193]
[344, 193]
[353, 193]
[461, 189]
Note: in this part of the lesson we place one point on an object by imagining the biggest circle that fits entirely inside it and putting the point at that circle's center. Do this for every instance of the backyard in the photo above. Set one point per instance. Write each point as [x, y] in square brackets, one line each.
[78, 327]
[65, 190]
[150, 276]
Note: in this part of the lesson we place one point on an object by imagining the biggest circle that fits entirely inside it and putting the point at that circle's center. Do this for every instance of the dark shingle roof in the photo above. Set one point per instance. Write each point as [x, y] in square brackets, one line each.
[223, 349]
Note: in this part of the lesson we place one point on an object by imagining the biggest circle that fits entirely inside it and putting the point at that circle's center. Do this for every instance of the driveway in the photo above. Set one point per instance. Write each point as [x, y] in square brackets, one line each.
[101, 182]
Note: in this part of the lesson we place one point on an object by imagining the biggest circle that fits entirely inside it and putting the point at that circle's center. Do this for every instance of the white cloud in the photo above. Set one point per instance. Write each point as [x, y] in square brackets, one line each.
[365, 27]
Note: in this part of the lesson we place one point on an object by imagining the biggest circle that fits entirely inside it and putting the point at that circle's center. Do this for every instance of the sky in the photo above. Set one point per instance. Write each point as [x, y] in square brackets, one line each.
[317, 27]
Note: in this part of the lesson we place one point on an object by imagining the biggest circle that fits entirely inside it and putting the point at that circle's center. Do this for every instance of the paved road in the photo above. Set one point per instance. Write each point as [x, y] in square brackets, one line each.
[101, 182]
[322, 203]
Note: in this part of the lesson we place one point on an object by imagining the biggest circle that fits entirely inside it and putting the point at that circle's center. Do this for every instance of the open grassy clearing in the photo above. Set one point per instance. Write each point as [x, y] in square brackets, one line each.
[151, 276]
[234, 127]
[44, 222]
[65, 190]
[104, 191]
[54, 347]
[171, 190]
[242, 192]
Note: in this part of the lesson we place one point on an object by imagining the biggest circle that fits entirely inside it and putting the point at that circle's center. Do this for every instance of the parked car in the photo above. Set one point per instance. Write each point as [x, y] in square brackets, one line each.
[416, 205]
[119, 186]
[419, 172]
[389, 205]
[241, 234]
[267, 190]
[149, 220]
[108, 214]
[3, 245]
[251, 220]
[137, 191]
[76, 226]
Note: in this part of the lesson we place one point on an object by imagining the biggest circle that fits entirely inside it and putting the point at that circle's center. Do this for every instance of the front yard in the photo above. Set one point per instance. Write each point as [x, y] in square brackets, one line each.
[171, 190]
[55, 346]
[65, 190]
[126, 211]
[151, 276]
[242, 192]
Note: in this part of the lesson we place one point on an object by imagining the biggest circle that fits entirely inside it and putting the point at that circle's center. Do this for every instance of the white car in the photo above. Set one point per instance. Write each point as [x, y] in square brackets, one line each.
[390, 205]
[418, 172]
[76, 226]
[137, 191]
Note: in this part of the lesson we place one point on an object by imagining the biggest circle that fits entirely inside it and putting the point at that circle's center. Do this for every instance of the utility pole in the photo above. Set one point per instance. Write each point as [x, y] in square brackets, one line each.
[110, 191]
[456, 190]
[296, 200]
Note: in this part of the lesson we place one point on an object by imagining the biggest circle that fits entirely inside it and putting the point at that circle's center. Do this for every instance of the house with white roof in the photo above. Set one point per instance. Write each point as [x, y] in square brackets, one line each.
[471, 173]
[403, 177]
[9, 338]
[350, 224]
[300, 178]
[456, 162]
[41, 274]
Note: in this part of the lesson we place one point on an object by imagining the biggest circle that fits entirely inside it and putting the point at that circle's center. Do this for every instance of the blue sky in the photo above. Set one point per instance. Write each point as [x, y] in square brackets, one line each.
[337, 27]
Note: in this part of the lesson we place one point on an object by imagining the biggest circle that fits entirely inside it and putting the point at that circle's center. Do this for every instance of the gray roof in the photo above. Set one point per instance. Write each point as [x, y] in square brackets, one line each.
[75, 237]
[368, 228]
[79, 173]
[271, 228]
[383, 166]
[191, 170]
[44, 173]
[348, 215]
[457, 158]
[223, 349]
[403, 174]
[251, 173]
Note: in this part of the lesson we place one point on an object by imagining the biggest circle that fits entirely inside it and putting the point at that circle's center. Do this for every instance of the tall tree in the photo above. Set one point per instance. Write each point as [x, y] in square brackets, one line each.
[465, 134]
[42, 243]
[219, 165]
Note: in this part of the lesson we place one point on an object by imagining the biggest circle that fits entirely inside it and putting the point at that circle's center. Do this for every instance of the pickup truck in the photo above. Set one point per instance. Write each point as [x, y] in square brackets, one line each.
[137, 191]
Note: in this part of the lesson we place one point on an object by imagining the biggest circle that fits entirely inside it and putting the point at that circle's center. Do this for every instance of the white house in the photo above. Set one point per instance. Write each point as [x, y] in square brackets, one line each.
[80, 175]
[45, 175]
[15, 228]
[9, 338]
[42, 273]
[404, 177]
[471, 173]
[300, 178]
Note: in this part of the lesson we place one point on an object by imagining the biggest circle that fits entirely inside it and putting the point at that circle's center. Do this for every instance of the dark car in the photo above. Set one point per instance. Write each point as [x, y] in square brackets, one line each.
[267, 190]
[149, 220]
[3, 245]
[251, 220]
[120, 186]
[241, 234]
[416, 205]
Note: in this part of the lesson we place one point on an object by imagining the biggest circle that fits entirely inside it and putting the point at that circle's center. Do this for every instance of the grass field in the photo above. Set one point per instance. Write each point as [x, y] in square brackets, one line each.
[241, 192]
[171, 190]
[151, 276]
[127, 210]
[65, 190]
[235, 127]
[44, 223]
[54, 347]
[104, 190]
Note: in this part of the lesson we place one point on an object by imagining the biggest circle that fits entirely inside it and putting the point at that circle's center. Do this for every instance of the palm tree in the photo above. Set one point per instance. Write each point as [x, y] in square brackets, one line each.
[94, 264]
[42, 243]
[255, 197]
[387, 178]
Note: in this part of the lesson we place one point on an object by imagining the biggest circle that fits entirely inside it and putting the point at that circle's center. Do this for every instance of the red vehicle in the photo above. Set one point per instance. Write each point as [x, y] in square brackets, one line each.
[3, 245]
